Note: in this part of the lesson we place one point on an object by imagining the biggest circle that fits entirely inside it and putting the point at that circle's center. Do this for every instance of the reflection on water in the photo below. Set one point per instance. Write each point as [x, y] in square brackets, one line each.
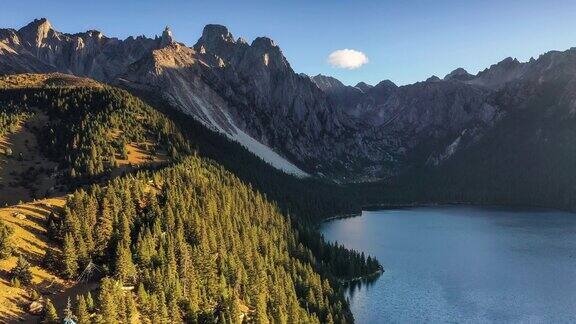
[352, 286]
[463, 264]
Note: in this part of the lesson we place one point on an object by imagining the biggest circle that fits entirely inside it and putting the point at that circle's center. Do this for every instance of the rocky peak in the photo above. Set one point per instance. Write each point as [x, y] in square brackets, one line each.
[364, 86]
[501, 73]
[214, 35]
[95, 34]
[509, 61]
[504, 65]
[327, 83]
[386, 84]
[433, 79]
[264, 43]
[265, 50]
[459, 74]
[218, 41]
[383, 90]
[35, 32]
[167, 37]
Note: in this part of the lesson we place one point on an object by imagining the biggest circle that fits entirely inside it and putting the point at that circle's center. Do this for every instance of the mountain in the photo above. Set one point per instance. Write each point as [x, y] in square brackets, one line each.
[195, 81]
[299, 124]
[527, 157]
[38, 47]
[248, 92]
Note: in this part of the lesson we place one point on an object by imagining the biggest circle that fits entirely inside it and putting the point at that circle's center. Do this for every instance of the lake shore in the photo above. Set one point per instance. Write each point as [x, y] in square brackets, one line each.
[389, 206]
[372, 275]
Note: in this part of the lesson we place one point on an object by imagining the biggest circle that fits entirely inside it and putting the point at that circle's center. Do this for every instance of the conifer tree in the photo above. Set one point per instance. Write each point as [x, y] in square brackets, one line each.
[104, 227]
[83, 317]
[131, 309]
[107, 300]
[69, 258]
[125, 270]
[50, 313]
[89, 302]
[22, 271]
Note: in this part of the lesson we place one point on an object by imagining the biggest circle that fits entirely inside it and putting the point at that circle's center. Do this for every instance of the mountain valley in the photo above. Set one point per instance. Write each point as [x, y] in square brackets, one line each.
[194, 178]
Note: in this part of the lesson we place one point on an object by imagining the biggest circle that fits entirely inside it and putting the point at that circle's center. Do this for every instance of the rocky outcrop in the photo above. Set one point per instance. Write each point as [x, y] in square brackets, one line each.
[167, 38]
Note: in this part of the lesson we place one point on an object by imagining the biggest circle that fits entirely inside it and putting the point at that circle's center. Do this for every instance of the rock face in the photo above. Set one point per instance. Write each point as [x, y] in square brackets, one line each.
[299, 124]
[37, 47]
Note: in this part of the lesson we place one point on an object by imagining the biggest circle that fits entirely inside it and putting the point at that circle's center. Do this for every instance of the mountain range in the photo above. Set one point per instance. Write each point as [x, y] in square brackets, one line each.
[307, 126]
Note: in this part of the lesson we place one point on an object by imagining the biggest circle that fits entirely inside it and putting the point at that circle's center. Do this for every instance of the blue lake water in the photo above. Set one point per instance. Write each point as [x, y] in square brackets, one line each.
[464, 264]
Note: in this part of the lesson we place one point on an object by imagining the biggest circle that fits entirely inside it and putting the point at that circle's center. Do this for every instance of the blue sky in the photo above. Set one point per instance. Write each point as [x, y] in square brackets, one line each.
[405, 41]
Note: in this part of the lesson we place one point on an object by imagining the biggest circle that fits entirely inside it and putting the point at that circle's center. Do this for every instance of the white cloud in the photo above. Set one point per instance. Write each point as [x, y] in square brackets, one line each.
[347, 59]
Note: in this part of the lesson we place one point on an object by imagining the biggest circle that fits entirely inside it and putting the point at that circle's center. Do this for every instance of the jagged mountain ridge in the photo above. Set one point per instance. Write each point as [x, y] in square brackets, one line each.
[250, 93]
[41, 48]
[459, 110]
[38, 47]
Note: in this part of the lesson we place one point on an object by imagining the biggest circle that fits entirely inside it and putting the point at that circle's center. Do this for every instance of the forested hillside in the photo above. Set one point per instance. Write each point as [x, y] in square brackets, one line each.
[198, 244]
[178, 237]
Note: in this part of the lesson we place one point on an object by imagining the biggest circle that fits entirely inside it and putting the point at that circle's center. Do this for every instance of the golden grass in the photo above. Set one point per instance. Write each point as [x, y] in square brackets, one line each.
[139, 154]
[31, 80]
[30, 240]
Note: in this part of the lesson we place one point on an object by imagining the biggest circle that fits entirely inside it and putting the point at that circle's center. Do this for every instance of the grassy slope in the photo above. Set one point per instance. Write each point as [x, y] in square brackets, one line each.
[19, 184]
[30, 240]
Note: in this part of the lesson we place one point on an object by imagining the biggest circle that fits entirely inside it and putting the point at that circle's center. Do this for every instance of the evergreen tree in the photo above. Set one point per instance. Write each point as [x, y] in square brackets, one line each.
[131, 309]
[83, 316]
[104, 227]
[107, 300]
[50, 313]
[89, 302]
[125, 270]
[70, 257]
[22, 271]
